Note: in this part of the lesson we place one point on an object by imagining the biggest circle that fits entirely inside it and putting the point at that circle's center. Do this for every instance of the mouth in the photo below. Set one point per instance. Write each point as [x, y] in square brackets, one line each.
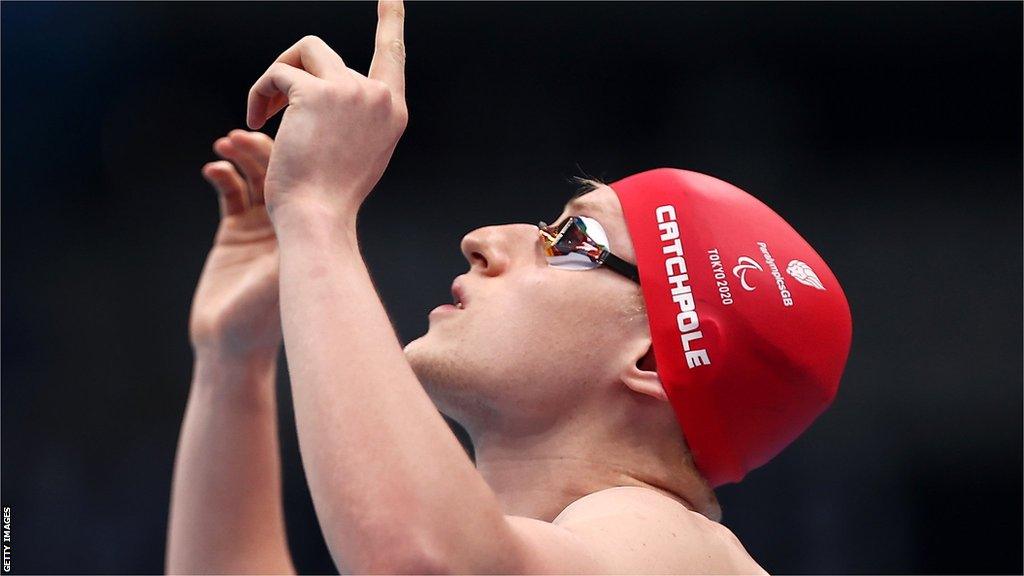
[458, 300]
[458, 295]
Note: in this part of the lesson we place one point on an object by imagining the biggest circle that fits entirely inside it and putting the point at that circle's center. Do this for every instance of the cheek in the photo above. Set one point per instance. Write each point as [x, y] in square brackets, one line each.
[514, 322]
[548, 321]
[507, 334]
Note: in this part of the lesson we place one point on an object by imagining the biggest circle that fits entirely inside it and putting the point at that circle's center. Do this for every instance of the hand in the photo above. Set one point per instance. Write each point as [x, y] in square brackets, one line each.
[340, 127]
[235, 307]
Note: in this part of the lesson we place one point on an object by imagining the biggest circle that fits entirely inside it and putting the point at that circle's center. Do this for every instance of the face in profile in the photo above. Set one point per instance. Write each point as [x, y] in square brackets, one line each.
[532, 343]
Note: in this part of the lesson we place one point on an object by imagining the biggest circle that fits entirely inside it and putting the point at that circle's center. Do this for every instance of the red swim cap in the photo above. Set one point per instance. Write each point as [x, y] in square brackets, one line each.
[749, 326]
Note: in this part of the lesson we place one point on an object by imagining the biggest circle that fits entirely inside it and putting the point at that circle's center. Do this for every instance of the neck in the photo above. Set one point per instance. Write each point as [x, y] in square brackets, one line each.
[539, 475]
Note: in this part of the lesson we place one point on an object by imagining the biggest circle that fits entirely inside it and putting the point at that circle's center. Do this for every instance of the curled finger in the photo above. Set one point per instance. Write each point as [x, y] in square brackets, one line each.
[251, 154]
[231, 189]
[256, 144]
[314, 56]
[272, 92]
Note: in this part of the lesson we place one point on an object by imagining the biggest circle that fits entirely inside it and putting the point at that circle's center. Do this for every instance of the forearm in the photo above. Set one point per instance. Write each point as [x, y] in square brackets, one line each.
[226, 511]
[386, 473]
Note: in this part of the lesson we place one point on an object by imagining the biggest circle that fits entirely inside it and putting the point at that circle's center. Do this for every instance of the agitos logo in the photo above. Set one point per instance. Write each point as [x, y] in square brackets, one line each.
[740, 271]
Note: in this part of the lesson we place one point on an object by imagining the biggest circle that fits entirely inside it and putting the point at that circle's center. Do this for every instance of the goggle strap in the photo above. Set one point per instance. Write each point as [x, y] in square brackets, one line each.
[621, 266]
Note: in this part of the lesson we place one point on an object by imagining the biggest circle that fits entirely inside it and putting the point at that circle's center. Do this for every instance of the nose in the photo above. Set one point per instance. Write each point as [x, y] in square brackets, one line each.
[492, 249]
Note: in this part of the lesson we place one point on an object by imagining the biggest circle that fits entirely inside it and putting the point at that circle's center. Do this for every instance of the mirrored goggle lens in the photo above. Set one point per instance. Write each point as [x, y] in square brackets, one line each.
[576, 243]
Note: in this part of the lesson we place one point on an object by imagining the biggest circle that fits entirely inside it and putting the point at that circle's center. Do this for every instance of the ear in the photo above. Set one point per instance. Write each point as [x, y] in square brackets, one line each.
[642, 376]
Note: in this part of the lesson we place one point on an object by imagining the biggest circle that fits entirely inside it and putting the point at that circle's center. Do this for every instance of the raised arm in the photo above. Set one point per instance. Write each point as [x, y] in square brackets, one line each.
[226, 512]
[393, 489]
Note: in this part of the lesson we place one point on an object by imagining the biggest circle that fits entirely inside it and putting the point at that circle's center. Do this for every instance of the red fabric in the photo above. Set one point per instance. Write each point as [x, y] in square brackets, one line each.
[771, 368]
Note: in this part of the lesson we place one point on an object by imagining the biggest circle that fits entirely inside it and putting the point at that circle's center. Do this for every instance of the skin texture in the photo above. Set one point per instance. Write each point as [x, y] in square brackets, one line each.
[229, 433]
[582, 468]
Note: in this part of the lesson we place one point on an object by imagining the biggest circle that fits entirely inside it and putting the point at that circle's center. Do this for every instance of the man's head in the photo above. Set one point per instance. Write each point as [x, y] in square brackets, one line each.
[744, 330]
[536, 346]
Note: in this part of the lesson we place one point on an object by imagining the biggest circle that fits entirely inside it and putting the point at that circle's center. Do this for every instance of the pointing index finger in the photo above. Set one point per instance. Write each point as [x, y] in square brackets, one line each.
[388, 63]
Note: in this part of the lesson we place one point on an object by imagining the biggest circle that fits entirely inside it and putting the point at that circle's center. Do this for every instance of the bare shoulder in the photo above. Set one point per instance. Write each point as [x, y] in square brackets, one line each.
[641, 530]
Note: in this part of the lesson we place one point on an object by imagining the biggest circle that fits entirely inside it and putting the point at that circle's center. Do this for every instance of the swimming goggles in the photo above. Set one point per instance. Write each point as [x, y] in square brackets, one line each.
[580, 243]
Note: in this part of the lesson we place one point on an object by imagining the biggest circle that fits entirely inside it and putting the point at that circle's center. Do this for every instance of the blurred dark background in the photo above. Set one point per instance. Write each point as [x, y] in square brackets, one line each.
[889, 135]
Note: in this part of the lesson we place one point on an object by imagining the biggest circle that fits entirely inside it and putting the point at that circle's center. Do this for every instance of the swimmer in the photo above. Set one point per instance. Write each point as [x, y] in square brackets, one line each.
[609, 371]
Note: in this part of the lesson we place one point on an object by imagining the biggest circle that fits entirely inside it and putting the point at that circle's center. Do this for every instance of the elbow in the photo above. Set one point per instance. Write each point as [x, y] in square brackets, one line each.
[437, 549]
[407, 557]
[410, 566]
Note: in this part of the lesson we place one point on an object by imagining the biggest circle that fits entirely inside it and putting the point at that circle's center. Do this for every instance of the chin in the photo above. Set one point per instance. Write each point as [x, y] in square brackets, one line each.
[417, 353]
[431, 365]
[445, 378]
[412, 346]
